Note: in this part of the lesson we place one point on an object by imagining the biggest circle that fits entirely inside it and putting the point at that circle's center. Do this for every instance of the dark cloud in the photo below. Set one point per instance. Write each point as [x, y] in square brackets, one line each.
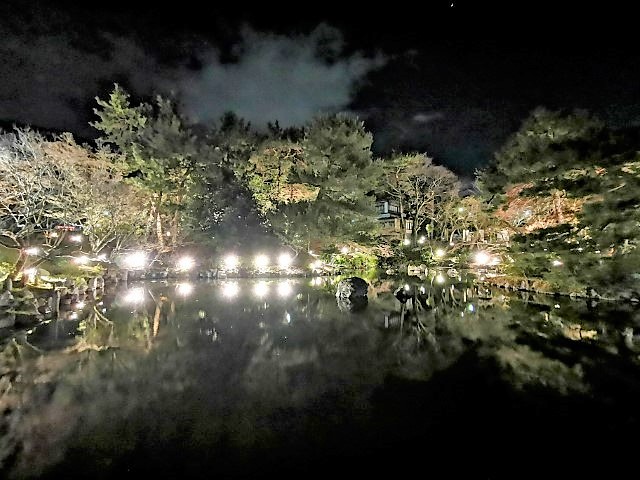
[50, 77]
[275, 77]
[50, 82]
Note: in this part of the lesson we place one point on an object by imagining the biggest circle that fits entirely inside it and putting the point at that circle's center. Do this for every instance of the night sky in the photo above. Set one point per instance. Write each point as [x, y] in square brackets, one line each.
[452, 79]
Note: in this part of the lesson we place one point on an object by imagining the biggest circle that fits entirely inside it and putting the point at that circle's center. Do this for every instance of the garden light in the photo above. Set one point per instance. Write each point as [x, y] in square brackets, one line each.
[231, 262]
[261, 262]
[482, 258]
[136, 260]
[185, 264]
[285, 260]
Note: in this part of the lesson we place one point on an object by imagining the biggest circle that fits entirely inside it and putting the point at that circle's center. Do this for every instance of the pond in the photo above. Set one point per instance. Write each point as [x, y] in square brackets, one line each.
[258, 377]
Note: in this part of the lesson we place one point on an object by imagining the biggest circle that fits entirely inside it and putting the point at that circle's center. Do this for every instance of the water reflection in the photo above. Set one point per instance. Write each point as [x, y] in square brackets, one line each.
[233, 375]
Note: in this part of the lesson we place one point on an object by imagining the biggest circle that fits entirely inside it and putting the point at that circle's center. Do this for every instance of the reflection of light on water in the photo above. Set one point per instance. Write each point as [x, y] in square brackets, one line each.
[135, 295]
[261, 289]
[184, 289]
[230, 289]
[284, 289]
[316, 281]
[287, 317]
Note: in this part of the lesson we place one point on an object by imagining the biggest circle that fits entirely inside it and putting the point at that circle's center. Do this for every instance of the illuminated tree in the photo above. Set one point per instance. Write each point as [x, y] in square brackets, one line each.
[424, 190]
[334, 177]
[160, 151]
[570, 188]
[37, 192]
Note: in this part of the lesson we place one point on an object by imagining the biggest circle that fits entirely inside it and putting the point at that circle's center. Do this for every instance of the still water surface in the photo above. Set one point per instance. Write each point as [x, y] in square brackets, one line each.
[248, 378]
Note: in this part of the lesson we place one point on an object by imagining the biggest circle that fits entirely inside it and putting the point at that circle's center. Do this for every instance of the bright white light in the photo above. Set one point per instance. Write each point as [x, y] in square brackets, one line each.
[461, 209]
[344, 250]
[482, 258]
[230, 289]
[287, 317]
[83, 260]
[439, 252]
[32, 251]
[261, 289]
[316, 281]
[556, 263]
[136, 260]
[135, 295]
[31, 273]
[471, 308]
[184, 289]
[76, 238]
[440, 278]
[407, 287]
[231, 262]
[53, 234]
[80, 305]
[422, 239]
[284, 289]
[185, 264]
[102, 257]
[423, 290]
[261, 262]
[316, 265]
[285, 260]
[407, 241]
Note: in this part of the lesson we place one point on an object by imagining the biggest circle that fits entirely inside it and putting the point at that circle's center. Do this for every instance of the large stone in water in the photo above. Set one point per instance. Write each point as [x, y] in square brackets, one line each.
[352, 287]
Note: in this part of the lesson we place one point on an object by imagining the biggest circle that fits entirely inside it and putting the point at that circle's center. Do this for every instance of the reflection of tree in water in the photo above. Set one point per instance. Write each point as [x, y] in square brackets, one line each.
[536, 340]
[168, 371]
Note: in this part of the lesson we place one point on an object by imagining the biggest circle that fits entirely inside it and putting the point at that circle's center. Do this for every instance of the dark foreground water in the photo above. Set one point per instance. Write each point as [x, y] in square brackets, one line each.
[252, 378]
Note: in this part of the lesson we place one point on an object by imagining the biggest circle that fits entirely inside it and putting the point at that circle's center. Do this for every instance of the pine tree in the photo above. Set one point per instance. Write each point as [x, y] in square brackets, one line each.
[575, 206]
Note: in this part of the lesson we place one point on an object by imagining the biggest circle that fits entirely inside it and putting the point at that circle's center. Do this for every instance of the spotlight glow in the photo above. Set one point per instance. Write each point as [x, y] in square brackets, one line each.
[440, 278]
[482, 258]
[285, 260]
[261, 262]
[439, 252]
[344, 250]
[76, 238]
[231, 262]
[556, 263]
[407, 241]
[185, 264]
[136, 260]
[32, 251]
